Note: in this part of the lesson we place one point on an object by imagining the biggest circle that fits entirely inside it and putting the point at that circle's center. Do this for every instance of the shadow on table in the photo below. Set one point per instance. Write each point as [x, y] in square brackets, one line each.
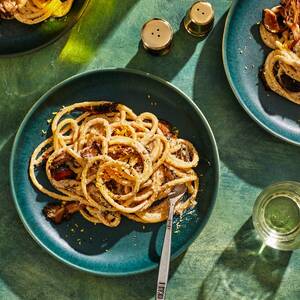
[246, 270]
[99, 20]
[245, 148]
[169, 65]
[30, 273]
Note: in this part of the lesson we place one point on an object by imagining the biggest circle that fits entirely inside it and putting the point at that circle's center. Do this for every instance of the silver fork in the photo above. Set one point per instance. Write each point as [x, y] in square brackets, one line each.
[164, 265]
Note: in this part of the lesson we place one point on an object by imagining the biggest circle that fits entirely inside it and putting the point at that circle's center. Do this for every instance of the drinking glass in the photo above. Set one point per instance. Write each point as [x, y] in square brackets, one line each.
[276, 215]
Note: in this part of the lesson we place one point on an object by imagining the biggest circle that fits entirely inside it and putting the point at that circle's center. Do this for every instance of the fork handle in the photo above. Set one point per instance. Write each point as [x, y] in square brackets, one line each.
[165, 258]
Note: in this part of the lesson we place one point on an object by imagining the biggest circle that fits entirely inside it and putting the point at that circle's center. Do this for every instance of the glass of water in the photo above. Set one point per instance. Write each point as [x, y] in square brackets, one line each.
[276, 215]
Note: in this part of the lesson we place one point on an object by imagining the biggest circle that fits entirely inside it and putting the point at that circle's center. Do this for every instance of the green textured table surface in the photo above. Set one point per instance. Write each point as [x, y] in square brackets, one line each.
[224, 262]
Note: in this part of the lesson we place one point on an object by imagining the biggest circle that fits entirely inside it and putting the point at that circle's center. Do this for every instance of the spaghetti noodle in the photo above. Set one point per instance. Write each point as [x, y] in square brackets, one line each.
[107, 162]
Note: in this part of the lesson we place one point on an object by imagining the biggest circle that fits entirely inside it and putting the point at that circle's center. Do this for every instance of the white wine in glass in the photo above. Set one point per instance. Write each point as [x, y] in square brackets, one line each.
[276, 215]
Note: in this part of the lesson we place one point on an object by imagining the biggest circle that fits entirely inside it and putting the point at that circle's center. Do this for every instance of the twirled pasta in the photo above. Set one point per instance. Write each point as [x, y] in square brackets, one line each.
[106, 162]
[280, 31]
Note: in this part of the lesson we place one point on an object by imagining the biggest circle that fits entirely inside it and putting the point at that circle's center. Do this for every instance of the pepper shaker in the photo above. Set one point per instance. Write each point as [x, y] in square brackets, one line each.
[199, 19]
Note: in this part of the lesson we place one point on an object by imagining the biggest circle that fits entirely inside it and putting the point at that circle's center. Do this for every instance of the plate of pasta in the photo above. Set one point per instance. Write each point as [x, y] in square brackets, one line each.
[26, 25]
[261, 59]
[93, 164]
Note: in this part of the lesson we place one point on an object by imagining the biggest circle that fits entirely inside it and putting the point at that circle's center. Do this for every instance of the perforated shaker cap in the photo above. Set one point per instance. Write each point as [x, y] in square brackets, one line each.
[157, 36]
[199, 19]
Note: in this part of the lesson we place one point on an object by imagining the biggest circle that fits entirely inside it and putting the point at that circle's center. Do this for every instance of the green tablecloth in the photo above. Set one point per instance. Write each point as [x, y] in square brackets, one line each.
[223, 263]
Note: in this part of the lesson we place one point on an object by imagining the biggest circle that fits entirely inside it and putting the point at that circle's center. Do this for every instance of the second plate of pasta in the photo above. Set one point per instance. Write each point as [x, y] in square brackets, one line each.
[94, 161]
[245, 54]
[26, 25]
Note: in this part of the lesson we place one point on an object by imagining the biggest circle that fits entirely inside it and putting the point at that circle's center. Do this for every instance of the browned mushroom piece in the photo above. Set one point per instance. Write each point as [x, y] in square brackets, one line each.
[62, 159]
[62, 172]
[120, 152]
[54, 212]
[168, 174]
[91, 151]
[273, 20]
[101, 109]
[59, 212]
[167, 129]
[60, 169]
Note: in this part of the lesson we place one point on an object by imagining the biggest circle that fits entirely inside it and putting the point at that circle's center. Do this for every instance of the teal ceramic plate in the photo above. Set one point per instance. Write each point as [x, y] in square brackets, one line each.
[243, 54]
[16, 38]
[132, 247]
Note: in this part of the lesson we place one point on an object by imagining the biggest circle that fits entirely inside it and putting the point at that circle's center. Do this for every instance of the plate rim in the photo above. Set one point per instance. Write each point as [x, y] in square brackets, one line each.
[51, 41]
[232, 85]
[43, 99]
